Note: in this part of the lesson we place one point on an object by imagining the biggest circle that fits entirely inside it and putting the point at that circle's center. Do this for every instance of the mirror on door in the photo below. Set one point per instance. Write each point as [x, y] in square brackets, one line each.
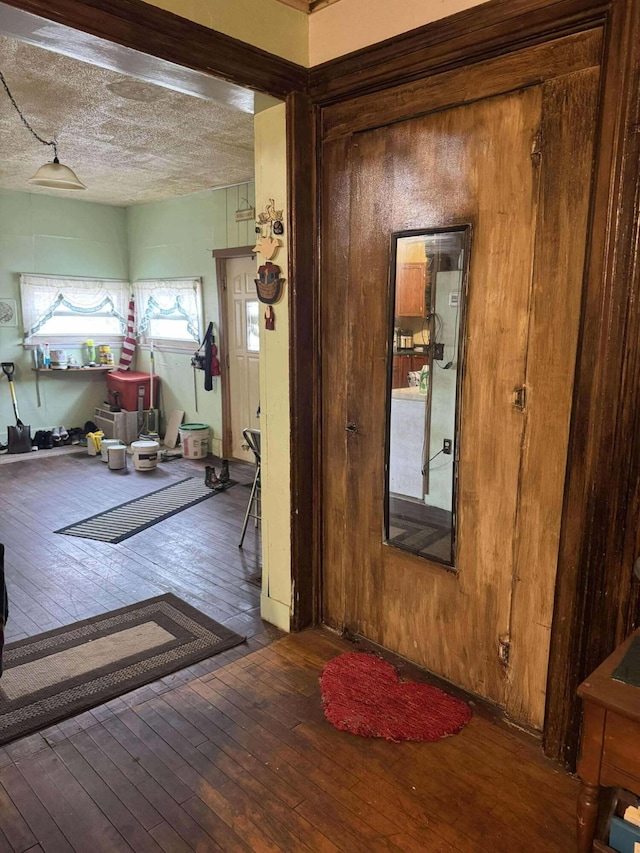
[428, 286]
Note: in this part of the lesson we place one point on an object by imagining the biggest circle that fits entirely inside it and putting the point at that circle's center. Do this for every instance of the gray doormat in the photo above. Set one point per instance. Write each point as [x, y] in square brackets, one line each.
[125, 520]
[61, 673]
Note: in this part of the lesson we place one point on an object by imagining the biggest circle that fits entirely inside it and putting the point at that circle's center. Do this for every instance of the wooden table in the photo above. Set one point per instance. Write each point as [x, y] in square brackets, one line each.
[610, 744]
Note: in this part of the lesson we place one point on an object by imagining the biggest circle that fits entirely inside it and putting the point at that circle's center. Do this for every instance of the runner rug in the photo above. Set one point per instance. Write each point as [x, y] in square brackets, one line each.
[125, 520]
[61, 673]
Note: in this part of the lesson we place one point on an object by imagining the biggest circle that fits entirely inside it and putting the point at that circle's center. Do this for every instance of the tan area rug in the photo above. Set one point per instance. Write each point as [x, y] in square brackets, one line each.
[61, 673]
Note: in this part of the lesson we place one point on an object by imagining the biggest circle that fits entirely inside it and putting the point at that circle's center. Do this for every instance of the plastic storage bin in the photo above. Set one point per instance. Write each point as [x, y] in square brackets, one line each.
[128, 383]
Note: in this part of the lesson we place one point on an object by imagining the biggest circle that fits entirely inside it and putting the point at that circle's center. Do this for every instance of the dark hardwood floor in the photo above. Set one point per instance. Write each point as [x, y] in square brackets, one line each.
[54, 580]
[232, 754]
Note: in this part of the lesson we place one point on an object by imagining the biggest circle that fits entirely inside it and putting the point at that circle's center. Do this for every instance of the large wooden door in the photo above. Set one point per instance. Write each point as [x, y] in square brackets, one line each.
[516, 167]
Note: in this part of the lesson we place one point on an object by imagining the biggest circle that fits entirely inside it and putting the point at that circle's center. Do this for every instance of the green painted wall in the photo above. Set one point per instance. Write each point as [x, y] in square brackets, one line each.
[59, 236]
[62, 236]
[173, 239]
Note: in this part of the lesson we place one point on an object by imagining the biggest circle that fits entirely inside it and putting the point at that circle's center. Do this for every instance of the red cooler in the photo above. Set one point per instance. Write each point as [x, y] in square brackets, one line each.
[128, 385]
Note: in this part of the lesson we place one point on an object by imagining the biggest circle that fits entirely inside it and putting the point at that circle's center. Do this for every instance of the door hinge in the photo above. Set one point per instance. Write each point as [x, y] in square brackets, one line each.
[227, 361]
[520, 397]
[504, 649]
[224, 284]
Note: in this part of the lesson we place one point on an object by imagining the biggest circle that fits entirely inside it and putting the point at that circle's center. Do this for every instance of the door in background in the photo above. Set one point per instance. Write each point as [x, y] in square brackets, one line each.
[244, 351]
[515, 168]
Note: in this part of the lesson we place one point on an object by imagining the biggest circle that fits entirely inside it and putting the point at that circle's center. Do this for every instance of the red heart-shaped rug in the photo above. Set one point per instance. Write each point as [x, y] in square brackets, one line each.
[363, 694]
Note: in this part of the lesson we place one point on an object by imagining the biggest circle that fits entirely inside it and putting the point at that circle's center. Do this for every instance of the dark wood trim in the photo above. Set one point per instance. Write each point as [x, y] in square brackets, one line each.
[596, 601]
[221, 256]
[482, 32]
[140, 26]
[303, 362]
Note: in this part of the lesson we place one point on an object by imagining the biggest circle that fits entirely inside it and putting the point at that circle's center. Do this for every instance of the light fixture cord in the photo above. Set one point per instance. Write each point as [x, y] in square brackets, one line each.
[53, 143]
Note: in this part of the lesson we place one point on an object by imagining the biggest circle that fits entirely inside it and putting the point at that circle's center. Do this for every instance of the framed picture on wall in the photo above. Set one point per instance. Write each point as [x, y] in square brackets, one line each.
[8, 312]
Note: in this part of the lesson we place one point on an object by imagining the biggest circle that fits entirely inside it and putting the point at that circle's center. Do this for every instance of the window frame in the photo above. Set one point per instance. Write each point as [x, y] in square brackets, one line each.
[164, 344]
[121, 289]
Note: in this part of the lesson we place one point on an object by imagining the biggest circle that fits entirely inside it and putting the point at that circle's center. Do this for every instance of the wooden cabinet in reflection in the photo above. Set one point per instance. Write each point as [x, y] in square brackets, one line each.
[402, 364]
[411, 284]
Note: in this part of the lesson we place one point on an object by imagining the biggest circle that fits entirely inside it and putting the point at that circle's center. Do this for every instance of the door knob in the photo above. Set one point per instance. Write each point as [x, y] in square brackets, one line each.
[352, 426]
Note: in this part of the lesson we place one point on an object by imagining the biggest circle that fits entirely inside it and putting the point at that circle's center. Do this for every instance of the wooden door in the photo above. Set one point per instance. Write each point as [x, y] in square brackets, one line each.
[515, 167]
[244, 351]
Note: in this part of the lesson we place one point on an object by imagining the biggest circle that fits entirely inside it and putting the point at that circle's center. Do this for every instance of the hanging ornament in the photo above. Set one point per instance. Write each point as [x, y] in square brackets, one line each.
[269, 222]
[269, 319]
[267, 247]
[269, 283]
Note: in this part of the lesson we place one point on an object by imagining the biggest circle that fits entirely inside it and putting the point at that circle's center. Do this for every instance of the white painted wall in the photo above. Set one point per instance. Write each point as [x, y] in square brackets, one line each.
[349, 25]
[309, 40]
[271, 182]
[267, 24]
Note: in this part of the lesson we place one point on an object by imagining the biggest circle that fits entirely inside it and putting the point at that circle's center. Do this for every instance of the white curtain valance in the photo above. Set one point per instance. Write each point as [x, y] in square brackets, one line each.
[41, 295]
[167, 297]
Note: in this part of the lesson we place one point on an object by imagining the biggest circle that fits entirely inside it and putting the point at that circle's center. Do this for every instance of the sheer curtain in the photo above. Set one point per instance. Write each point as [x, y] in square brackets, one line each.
[41, 295]
[167, 297]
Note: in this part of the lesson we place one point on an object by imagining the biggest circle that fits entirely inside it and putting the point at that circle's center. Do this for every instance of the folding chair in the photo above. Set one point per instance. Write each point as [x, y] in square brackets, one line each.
[252, 439]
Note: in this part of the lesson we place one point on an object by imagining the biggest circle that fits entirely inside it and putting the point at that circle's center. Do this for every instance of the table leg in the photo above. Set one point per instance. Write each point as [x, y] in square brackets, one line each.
[587, 816]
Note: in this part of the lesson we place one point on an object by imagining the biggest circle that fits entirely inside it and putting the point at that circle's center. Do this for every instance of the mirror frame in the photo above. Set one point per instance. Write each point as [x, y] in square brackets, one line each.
[466, 228]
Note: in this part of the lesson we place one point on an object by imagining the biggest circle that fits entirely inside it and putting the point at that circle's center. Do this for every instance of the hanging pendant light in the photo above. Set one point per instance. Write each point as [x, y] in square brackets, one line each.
[57, 176]
[54, 175]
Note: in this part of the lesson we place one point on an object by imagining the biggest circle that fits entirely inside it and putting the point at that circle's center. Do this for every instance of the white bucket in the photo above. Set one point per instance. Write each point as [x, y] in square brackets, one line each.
[117, 454]
[145, 455]
[105, 444]
[194, 439]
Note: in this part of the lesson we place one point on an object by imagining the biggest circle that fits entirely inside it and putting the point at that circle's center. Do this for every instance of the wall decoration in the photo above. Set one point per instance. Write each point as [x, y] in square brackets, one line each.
[269, 283]
[245, 213]
[269, 319]
[269, 214]
[8, 311]
[269, 222]
[267, 247]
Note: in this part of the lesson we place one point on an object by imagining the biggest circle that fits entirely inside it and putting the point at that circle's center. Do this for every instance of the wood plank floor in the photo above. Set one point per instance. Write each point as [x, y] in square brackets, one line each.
[235, 755]
[232, 754]
[54, 580]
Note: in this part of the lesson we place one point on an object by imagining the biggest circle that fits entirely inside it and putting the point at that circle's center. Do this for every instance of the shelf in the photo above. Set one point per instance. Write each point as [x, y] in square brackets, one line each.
[101, 369]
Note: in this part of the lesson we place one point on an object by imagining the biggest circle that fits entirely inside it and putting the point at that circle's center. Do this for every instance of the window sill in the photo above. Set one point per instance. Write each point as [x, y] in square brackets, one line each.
[183, 347]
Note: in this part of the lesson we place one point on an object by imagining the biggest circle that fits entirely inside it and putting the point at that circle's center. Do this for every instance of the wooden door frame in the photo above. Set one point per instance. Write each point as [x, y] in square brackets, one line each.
[596, 601]
[167, 37]
[221, 256]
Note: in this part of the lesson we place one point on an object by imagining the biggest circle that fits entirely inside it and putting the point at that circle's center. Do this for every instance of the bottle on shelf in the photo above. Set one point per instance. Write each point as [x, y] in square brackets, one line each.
[90, 352]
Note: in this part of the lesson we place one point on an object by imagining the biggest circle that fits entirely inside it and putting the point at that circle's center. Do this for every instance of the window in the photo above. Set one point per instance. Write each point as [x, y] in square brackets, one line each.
[253, 326]
[70, 310]
[169, 309]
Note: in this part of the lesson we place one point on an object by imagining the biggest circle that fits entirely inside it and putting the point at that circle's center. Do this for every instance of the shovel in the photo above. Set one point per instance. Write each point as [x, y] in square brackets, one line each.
[19, 435]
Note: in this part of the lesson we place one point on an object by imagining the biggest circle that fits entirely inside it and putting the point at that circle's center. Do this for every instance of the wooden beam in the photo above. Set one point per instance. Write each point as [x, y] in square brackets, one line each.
[482, 32]
[308, 6]
[146, 28]
[304, 361]
[596, 602]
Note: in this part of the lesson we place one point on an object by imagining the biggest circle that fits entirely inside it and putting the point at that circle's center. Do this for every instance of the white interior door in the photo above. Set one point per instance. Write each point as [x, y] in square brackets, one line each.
[243, 311]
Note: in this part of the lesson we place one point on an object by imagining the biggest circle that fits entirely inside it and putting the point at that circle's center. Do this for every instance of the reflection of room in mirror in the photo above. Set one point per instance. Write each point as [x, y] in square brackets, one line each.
[428, 300]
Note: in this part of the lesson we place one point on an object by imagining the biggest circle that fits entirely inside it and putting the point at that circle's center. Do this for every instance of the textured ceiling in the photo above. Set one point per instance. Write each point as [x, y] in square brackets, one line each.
[129, 141]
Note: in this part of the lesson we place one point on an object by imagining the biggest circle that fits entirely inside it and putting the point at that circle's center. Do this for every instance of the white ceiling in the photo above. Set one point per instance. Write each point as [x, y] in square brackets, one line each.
[128, 140]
